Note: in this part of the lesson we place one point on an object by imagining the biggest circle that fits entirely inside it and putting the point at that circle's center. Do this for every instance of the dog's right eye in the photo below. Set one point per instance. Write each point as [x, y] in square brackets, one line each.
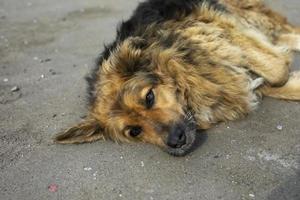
[135, 131]
[150, 99]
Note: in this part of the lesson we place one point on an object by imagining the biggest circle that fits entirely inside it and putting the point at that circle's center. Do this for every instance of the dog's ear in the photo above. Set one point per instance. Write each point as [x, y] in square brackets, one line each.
[87, 131]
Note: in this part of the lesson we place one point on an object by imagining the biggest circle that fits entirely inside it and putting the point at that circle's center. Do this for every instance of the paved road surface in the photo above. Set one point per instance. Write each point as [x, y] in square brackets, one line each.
[247, 159]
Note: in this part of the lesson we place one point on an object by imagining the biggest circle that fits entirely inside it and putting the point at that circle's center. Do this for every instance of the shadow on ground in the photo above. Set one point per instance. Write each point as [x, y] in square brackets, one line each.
[288, 190]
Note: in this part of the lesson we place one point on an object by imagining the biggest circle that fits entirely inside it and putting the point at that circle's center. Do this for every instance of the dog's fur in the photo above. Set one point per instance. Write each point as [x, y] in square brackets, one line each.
[186, 65]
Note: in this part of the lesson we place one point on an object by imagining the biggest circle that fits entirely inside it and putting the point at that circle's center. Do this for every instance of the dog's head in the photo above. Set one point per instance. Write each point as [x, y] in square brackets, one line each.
[139, 98]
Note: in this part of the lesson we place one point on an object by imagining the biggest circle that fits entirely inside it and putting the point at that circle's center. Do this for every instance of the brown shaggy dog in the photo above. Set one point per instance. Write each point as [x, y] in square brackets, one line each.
[177, 66]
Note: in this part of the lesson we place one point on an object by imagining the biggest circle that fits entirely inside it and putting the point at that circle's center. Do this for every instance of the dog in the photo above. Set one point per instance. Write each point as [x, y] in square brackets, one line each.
[178, 66]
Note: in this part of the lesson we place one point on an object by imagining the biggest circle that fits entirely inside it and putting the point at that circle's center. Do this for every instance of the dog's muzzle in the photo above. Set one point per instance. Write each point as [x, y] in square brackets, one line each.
[182, 137]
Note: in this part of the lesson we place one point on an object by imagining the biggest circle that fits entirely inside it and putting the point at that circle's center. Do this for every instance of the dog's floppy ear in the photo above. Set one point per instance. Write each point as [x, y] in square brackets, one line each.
[87, 131]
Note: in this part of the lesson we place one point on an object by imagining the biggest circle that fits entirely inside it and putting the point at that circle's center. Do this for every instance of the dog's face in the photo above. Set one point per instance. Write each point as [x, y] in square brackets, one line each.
[136, 101]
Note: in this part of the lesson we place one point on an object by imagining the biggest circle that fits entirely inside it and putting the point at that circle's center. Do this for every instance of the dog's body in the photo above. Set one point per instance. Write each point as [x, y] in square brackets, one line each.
[177, 66]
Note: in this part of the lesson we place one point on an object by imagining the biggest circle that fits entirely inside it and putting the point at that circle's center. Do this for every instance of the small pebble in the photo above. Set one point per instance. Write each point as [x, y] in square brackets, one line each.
[42, 76]
[87, 169]
[5, 80]
[251, 195]
[55, 115]
[52, 72]
[142, 164]
[46, 60]
[15, 89]
[53, 188]
[251, 158]
[279, 127]
[35, 58]
[95, 175]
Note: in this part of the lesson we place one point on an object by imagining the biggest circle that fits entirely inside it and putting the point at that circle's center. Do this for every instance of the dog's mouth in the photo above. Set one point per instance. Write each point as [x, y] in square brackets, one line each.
[190, 137]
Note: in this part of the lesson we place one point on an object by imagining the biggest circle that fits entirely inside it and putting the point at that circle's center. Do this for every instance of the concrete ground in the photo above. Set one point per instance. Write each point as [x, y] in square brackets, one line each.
[46, 49]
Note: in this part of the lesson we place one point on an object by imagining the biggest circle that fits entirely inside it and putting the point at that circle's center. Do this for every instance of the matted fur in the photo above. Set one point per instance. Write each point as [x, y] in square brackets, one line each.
[203, 61]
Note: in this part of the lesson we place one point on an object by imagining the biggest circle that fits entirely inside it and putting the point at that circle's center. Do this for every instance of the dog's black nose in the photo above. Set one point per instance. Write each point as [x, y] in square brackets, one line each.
[176, 137]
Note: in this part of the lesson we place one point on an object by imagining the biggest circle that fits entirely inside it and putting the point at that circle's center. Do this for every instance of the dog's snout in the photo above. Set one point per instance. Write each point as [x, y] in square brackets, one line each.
[176, 137]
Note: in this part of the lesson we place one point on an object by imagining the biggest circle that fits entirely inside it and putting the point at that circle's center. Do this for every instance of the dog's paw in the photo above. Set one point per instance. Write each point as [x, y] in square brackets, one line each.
[257, 83]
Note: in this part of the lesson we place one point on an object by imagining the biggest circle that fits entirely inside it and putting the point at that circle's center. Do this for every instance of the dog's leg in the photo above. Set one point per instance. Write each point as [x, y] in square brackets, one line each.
[290, 91]
[269, 61]
[290, 40]
[273, 68]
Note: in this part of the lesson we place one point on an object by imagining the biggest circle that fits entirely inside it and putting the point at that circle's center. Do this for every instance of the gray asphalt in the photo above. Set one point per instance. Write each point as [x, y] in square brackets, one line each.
[46, 49]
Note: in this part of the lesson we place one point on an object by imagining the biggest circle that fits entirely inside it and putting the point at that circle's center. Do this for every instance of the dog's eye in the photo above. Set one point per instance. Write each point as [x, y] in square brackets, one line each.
[134, 131]
[150, 99]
